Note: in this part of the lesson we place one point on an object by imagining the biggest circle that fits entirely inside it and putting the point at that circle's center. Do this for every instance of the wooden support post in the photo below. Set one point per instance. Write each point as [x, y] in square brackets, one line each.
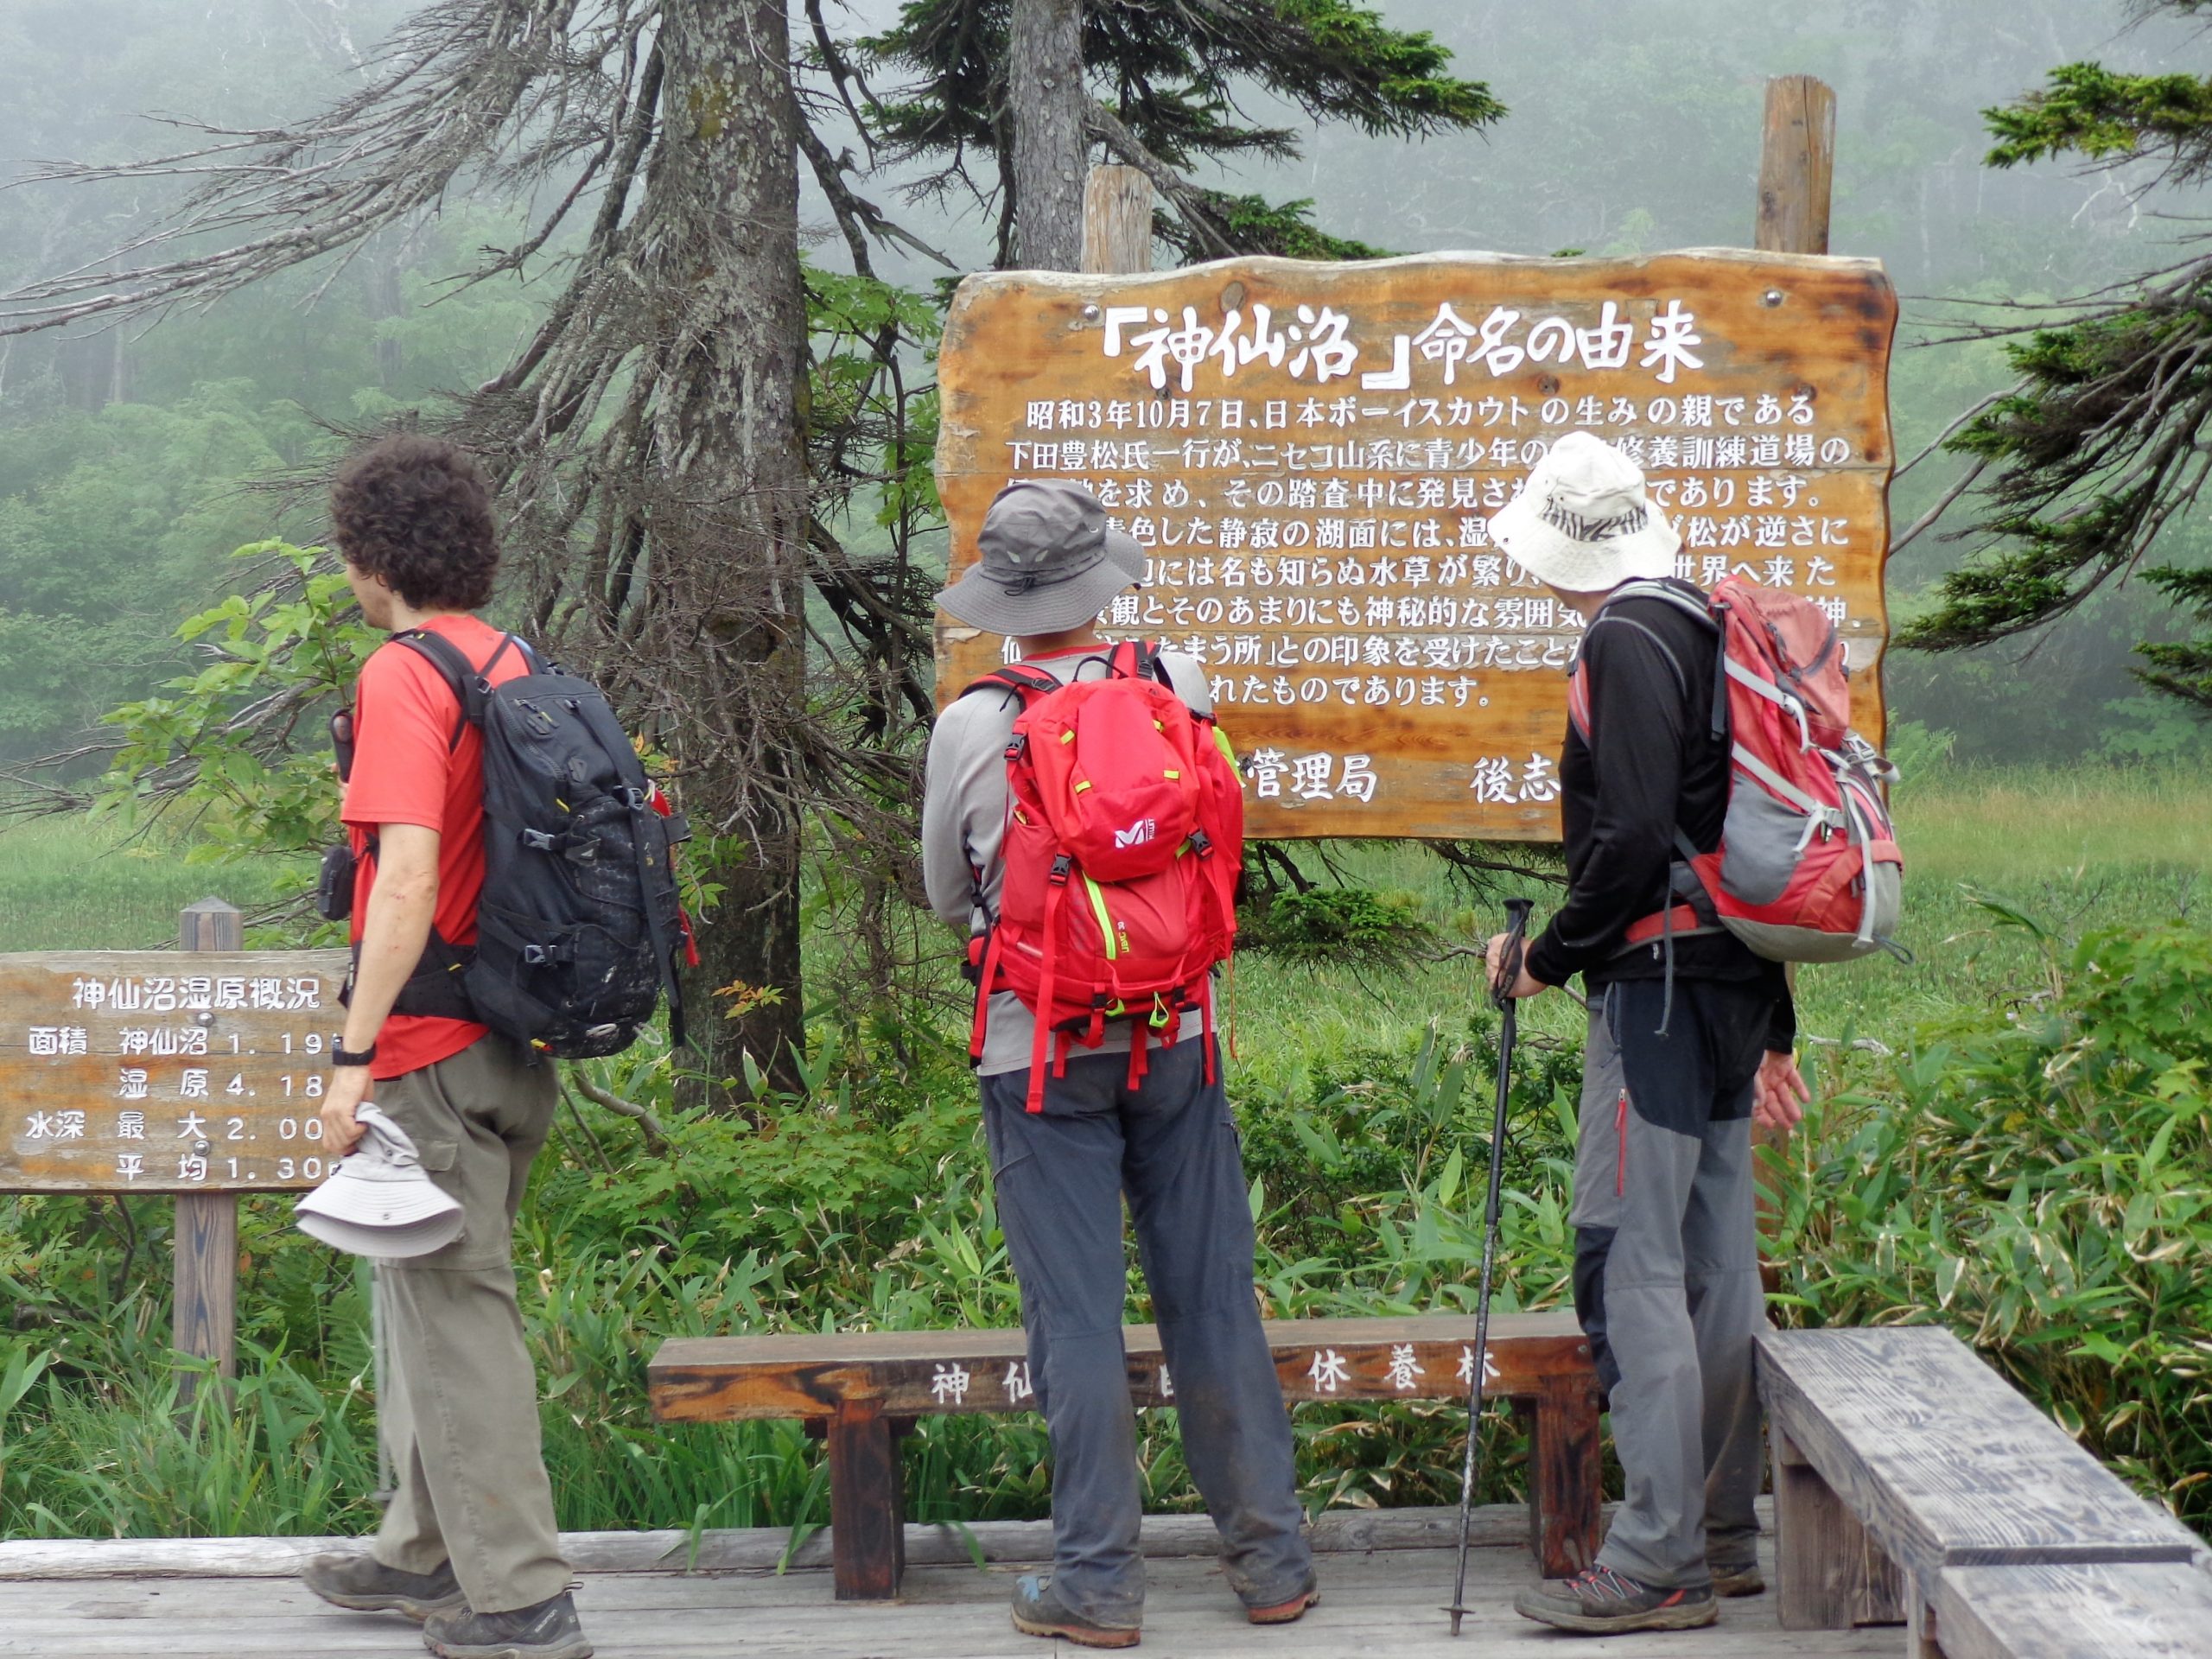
[868, 1502]
[1830, 1574]
[1796, 166]
[1117, 221]
[208, 1223]
[1565, 1476]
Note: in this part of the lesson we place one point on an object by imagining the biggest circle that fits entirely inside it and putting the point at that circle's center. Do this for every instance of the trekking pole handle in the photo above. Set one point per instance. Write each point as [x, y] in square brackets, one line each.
[1517, 912]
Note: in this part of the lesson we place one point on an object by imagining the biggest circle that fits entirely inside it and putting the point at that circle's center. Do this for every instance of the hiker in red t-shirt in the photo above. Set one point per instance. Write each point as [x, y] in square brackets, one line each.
[469, 1543]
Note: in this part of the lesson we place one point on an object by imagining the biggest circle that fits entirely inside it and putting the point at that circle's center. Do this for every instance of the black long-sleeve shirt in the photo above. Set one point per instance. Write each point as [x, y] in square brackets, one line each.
[1651, 764]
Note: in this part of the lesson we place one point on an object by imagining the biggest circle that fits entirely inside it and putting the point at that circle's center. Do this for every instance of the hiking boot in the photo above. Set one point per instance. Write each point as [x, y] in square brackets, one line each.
[1285, 1612]
[548, 1630]
[1038, 1611]
[1737, 1577]
[358, 1581]
[1600, 1602]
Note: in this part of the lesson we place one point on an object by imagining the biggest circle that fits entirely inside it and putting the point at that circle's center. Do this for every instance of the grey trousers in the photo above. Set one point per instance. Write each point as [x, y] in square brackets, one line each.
[460, 1416]
[1172, 1146]
[1666, 1272]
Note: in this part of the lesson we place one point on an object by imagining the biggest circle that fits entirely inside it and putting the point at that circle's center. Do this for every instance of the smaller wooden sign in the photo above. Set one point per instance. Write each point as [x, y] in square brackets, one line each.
[147, 1071]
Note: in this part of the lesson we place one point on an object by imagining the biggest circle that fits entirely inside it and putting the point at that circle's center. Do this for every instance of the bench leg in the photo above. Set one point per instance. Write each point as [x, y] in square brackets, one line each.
[868, 1504]
[1830, 1574]
[1922, 1639]
[1565, 1476]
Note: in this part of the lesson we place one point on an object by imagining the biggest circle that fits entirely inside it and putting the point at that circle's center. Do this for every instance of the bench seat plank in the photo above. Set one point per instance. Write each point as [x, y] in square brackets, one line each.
[2140, 1611]
[1946, 1464]
[933, 1373]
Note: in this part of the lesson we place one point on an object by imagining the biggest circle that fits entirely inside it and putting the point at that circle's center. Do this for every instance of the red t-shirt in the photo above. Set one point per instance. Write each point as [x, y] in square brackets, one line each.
[407, 769]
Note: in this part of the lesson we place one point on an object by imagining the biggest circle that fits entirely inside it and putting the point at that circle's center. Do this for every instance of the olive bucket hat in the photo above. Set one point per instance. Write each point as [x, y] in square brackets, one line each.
[1048, 562]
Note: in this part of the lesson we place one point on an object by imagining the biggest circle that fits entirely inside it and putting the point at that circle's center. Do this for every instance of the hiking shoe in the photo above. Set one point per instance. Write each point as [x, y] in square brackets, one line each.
[1285, 1612]
[548, 1630]
[1038, 1611]
[1737, 1577]
[362, 1584]
[1600, 1602]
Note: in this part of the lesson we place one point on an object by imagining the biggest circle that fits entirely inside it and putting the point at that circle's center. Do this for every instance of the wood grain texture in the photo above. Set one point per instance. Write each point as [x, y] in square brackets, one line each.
[722, 1379]
[1383, 1602]
[1322, 542]
[148, 1070]
[1796, 166]
[2154, 1611]
[1830, 1574]
[1943, 1463]
[1117, 221]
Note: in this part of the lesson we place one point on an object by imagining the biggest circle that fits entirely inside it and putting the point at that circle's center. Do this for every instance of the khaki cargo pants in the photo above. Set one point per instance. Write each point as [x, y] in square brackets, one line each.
[460, 1411]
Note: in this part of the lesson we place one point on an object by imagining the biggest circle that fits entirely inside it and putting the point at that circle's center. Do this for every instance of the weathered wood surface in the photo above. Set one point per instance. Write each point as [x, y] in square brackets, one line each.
[1385, 1602]
[1830, 1574]
[1315, 494]
[1117, 221]
[1943, 1462]
[721, 1379]
[1796, 166]
[2154, 1610]
[148, 1070]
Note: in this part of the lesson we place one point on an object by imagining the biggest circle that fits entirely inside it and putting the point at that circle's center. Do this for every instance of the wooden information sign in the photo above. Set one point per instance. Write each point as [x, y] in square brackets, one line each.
[151, 1071]
[1310, 455]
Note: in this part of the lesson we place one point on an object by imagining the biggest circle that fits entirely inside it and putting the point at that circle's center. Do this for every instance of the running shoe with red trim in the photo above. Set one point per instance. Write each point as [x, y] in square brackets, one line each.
[1601, 1602]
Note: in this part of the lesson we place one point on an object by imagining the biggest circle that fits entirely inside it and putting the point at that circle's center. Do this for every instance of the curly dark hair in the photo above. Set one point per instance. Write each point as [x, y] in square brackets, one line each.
[415, 511]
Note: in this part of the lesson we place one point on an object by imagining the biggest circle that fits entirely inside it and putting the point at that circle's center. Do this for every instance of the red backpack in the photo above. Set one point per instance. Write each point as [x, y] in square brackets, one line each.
[1124, 835]
[1807, 869]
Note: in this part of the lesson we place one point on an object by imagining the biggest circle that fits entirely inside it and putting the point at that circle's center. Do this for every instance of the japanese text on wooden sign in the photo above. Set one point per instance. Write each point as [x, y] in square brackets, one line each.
[145, 1071]
[1310, 455]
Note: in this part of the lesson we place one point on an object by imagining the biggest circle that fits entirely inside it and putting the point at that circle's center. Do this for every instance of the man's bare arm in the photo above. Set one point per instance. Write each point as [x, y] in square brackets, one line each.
[394, 931]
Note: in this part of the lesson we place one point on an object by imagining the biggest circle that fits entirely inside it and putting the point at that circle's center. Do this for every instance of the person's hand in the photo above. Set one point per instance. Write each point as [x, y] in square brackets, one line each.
[341, 1130]
[1524, 983]
[1779, 1094]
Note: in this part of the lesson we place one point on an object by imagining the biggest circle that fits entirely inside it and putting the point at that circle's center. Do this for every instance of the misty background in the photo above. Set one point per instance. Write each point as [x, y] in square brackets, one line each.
[133, 461]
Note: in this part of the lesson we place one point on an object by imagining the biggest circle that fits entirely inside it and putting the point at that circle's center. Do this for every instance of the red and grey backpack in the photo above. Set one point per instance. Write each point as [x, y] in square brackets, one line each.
[1124, 835]
[1807, 869]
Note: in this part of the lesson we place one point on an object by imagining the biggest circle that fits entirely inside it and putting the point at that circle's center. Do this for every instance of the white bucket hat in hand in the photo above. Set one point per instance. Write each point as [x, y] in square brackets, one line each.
[1582, 523]
[380, 1201]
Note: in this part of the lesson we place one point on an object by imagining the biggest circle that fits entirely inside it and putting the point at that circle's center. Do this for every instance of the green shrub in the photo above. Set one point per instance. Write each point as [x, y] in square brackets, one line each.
[1341, 926]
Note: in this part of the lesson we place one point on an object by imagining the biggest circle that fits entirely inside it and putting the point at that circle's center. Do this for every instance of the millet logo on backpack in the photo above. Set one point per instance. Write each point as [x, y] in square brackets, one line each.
[1137, 834]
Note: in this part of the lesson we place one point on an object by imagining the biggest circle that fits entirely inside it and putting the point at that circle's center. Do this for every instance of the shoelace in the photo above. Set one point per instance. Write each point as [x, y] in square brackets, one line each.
[1604, 1584]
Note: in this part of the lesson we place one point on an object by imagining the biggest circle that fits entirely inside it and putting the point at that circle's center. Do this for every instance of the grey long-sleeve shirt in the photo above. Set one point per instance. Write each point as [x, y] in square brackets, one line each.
[964, 819]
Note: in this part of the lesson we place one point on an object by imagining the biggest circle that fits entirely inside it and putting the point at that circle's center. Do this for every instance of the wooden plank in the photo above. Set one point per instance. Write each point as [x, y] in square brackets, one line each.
[1796, 166]
[2151, 1610]
[867, 1501]
[203, 1302]
[1316, 515]
[1566, 1483]
[1943, 1462]
[1830, 1574]
[145, 1071]
[721, 1379]
[1116, 221]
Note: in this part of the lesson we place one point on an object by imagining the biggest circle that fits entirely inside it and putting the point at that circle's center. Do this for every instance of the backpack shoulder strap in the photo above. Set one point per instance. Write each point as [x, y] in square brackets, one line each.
[1027, 683]
[469, 685]
[1138, 659]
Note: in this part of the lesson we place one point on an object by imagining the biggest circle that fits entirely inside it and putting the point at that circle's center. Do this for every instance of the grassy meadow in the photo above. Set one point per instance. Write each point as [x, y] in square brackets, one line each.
[1980, 1162]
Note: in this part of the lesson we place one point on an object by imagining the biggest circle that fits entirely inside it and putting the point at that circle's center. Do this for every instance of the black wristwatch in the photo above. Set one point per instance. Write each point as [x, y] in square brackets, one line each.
[341, 1055]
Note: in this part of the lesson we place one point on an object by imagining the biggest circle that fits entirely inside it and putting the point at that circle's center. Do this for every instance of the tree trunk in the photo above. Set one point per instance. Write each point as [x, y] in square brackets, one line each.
[727, 535]
[1047, 93]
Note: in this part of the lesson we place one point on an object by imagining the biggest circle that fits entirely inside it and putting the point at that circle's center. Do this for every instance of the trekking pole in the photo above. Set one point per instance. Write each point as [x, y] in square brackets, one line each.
[1516, 929]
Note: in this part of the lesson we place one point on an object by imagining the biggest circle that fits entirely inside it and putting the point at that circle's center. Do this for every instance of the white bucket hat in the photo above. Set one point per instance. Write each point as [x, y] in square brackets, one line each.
[1582, 523]
[380, 1201]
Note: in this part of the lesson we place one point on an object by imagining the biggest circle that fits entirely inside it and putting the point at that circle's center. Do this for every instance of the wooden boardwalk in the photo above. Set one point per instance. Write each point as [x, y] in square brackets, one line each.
[209, 1601]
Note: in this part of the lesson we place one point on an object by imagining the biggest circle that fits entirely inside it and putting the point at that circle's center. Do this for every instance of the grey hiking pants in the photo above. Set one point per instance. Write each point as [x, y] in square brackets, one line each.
[1172, 1146]
[460, 1416]
[1666, 1269]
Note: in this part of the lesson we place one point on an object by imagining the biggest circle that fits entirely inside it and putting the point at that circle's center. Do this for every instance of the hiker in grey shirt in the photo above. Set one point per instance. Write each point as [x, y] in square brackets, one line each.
[1049, 565]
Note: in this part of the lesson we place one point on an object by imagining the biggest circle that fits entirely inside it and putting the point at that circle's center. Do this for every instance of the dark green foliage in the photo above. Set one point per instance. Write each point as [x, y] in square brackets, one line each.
[2098, 454]
[1336, 924]
[1172, 74]
[2184, 669]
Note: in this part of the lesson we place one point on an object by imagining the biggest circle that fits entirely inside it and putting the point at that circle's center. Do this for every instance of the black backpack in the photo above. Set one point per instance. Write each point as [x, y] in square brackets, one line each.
[579, 929]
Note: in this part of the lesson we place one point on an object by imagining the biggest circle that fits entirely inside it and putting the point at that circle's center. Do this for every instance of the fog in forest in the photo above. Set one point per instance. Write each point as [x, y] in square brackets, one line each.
[127, 458]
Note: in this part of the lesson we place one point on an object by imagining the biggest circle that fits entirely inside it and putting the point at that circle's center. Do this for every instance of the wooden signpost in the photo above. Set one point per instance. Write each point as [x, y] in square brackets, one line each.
[199, 1074]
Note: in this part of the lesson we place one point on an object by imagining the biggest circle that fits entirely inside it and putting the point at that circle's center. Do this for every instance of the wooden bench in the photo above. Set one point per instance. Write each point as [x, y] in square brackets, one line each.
[2155, 1610]
[1901, 1459]
[862, 1392]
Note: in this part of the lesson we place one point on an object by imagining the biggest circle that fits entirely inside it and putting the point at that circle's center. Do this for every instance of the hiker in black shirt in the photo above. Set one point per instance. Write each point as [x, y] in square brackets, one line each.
[1691, 1038]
